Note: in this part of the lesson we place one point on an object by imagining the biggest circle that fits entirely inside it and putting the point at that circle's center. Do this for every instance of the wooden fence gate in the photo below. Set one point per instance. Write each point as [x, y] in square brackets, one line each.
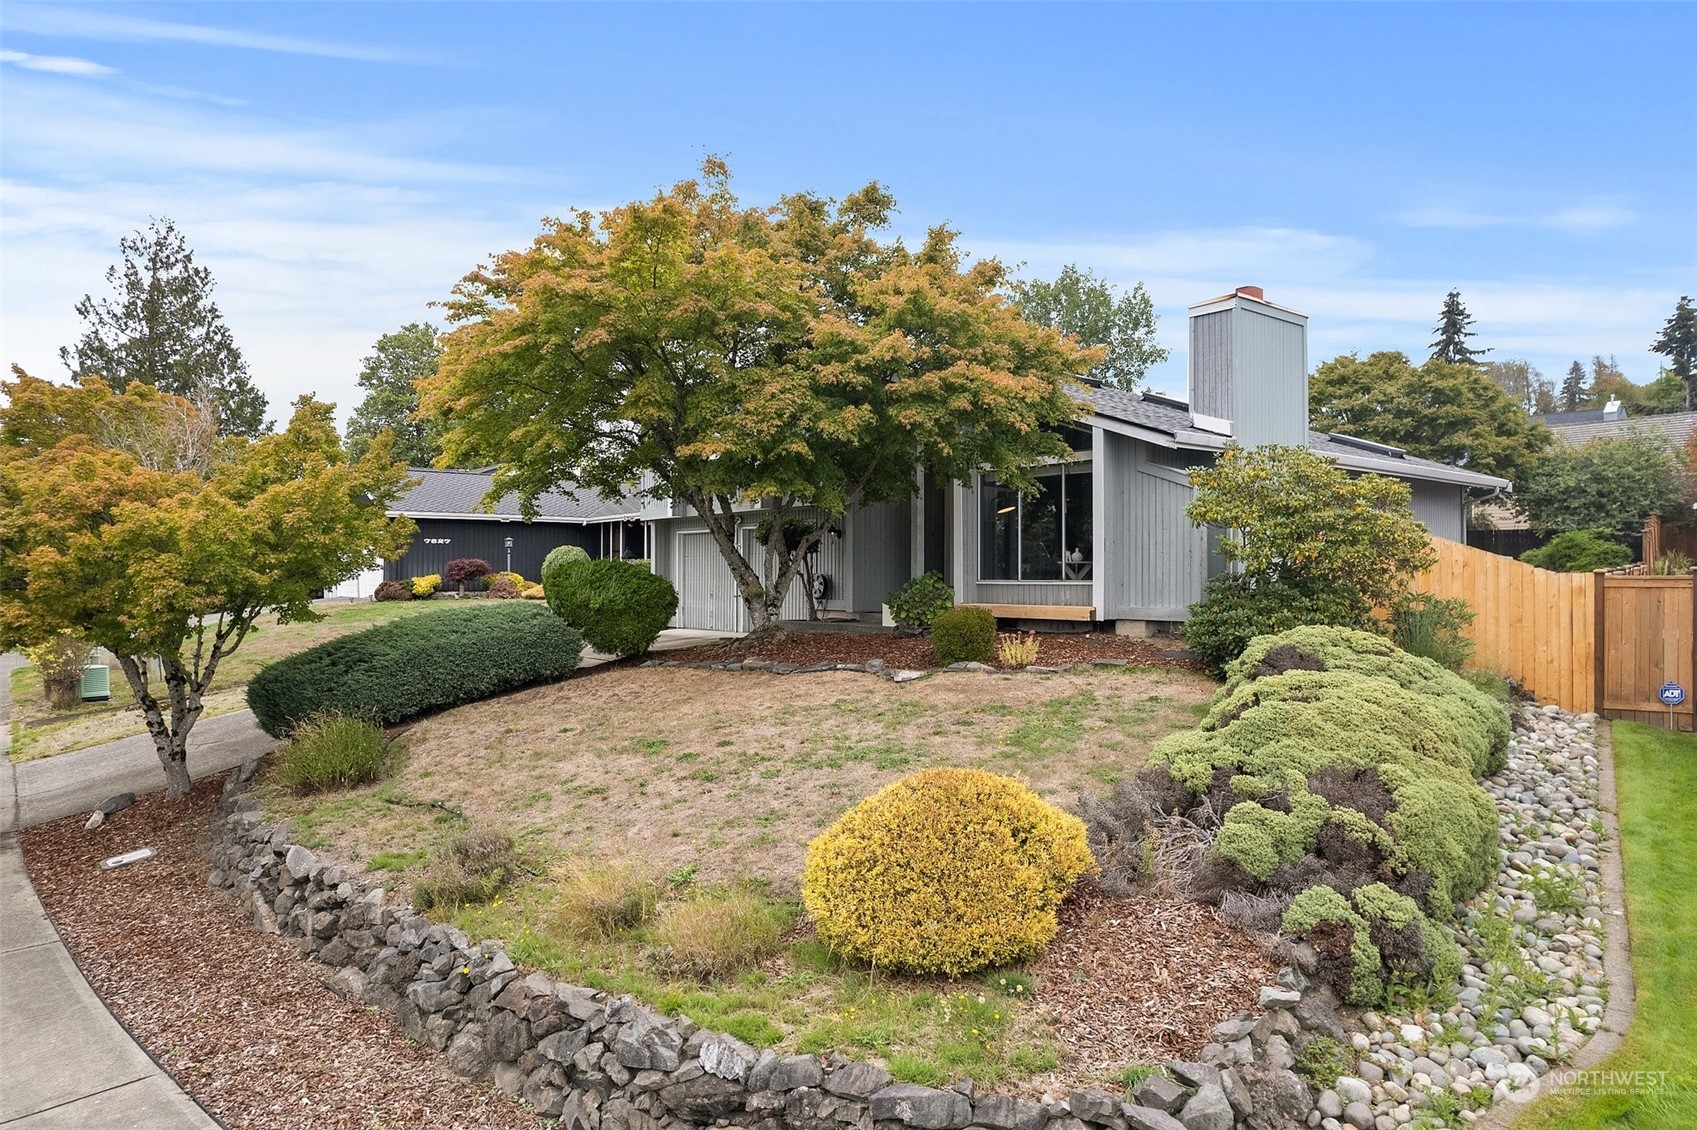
[1586, 641]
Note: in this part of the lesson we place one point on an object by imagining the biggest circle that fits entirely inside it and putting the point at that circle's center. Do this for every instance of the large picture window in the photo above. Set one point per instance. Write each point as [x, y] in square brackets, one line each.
[1040, 535]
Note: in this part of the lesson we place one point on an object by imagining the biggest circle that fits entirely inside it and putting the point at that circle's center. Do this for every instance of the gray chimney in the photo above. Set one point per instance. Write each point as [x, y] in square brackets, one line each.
[1249, 365]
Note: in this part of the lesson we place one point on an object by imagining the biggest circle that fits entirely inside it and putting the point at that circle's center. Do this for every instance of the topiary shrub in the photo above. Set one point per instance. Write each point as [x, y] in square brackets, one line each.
[919, 602]
[559, 559]
[1235, 609]
[944, 871]
[393, 590]
[619, 606]
[462, 571]
[402, 669]
[332, 751]
[428, 585]
[1579, 551]
[964, 635]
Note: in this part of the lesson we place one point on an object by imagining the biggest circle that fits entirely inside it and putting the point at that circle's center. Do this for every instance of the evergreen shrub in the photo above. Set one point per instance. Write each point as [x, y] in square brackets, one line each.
[1579, 551]
[964, 635]
[619, 606]
[559, 559]
[393, 590]
[1234, 609]
[409, 667]
[428, 585]
[944, 871]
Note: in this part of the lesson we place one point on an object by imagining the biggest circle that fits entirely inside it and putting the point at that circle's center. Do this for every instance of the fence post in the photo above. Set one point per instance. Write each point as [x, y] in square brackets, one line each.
[1599, 637]
[1691, 696]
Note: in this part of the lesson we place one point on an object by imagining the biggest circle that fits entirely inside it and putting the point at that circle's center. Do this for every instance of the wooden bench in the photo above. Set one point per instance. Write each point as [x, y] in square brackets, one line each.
[1038, 611]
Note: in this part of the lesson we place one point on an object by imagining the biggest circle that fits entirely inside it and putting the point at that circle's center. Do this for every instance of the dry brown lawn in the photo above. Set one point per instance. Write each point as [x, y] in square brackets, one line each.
[735, 773]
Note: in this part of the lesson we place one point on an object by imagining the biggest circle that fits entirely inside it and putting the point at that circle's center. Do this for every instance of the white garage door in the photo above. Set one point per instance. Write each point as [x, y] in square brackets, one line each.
[707, 593]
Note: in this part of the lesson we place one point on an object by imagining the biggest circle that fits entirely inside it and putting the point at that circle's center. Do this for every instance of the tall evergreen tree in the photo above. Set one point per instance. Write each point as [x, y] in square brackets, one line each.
[1451, 345]
[390, 379]
[1573, 391]
[163, 329]
[1678, 343]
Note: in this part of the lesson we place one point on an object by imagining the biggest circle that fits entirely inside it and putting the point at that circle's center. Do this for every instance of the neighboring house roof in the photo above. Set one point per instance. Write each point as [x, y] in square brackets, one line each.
[459, 494]
[1170, 422]
[1675, 427]
[1583, 416]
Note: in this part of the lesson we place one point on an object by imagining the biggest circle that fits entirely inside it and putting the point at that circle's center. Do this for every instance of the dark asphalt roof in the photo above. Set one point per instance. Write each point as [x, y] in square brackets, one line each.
[1172, 416]
[460, 494]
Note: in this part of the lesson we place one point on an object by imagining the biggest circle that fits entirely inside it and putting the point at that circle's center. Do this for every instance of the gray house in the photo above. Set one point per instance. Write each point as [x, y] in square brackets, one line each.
[1105, 542]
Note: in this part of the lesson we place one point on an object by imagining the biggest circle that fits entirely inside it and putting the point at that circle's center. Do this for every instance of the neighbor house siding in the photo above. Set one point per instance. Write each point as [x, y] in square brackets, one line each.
[1441, 508]
[441, 540]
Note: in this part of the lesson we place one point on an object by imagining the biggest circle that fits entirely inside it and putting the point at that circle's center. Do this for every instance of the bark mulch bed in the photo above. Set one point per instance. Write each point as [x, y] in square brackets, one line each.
[1055, 649]
[1144, 979]
[244, 1027]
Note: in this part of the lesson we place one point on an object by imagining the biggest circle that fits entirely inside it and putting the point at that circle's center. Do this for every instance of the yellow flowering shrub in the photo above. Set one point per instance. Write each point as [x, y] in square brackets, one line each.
[426, 585]
[944, 871]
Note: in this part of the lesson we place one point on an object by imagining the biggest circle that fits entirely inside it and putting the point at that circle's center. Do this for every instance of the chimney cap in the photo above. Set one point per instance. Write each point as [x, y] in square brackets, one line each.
[1251, 292]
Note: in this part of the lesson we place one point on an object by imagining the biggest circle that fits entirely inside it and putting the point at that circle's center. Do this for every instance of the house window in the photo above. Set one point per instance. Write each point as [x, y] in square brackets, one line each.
[1040, 535]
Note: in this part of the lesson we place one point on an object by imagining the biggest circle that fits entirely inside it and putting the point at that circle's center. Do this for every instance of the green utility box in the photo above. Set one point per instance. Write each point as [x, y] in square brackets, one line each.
[96, 683]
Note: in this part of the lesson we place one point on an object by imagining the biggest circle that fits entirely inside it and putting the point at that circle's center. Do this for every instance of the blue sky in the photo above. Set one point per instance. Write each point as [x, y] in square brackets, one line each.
[339, 166]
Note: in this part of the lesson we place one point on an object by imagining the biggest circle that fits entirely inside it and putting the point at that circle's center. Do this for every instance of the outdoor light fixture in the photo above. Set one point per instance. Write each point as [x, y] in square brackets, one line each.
[509, 555]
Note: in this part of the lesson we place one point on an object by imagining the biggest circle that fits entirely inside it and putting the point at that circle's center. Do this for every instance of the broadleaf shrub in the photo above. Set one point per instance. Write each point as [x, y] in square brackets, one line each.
[944, 871]
[1332, 784]
[619, 606]
[964, 635]
[919, 602]
[393, 590]
[60, 661]
[462, 571]
[1579, 551]
[409, 667]
[330, 750]
[427, 585]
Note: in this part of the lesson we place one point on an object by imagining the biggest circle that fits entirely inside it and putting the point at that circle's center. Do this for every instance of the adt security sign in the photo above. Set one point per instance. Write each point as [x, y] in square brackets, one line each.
[1671, 694]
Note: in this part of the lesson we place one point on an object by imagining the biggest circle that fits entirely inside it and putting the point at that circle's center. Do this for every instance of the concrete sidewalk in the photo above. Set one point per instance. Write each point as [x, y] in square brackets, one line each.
[65, 1063]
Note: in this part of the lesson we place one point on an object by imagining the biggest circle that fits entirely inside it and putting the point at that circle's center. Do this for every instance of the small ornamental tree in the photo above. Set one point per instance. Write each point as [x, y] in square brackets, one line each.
[1309, 541]
[463, 570]
[175, 564]
[722, 355]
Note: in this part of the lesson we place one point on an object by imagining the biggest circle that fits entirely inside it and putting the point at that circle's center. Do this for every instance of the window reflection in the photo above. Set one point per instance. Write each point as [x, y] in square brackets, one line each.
[1042, 535]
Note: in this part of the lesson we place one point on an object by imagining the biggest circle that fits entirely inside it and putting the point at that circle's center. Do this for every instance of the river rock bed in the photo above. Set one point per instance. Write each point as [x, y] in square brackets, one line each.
[1533, 989]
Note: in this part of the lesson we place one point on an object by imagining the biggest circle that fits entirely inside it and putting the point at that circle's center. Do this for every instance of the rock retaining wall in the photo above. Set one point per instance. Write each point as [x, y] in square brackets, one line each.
[600, 1063]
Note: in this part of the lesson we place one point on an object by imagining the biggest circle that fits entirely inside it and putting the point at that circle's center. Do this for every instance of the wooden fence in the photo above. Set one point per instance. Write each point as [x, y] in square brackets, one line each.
[1586, 641]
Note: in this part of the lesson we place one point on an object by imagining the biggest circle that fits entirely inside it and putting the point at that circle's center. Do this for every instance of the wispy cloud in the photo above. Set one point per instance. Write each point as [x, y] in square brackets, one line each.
[1234, 255]
[1577, 218]
[57, 64]
[83, 23]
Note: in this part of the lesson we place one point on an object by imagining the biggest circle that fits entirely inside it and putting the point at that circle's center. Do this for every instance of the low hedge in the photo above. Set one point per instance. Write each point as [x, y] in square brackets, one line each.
[400, 670]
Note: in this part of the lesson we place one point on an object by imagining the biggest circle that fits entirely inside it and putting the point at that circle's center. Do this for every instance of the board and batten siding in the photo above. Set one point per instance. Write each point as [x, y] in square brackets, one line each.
[1249, 365]
[686, 554]
[1156, 560]
[441, 540]
[880, 540]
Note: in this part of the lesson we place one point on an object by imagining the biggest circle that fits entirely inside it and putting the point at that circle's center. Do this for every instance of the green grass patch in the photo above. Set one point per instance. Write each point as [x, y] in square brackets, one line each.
[1656, 778]
[803, 998]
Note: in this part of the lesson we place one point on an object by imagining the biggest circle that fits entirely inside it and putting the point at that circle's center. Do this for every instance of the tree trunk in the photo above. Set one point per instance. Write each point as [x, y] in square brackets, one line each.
[170, 738]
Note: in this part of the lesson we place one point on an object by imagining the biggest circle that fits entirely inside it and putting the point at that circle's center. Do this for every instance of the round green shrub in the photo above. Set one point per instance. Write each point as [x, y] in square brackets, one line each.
[560, 559]
[446, 656]
[619, 606]
[1579, 551]
[964, 635]
[1234, 610]
[944, 871]
[331, 751]
[919, 602]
